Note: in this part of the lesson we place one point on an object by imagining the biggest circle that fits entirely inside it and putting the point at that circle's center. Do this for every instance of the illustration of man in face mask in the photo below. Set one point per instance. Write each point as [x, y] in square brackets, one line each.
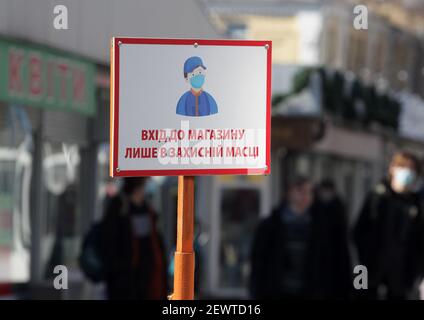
[196, 102]
[389, 233]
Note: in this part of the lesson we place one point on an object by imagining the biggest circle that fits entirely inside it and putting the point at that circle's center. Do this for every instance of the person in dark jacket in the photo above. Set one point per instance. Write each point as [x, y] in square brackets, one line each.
[389, 233]
[132, 247]
[300, 251]
[328, 196]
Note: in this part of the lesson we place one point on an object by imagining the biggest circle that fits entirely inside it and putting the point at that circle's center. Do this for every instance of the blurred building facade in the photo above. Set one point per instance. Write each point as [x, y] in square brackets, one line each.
[54, 132]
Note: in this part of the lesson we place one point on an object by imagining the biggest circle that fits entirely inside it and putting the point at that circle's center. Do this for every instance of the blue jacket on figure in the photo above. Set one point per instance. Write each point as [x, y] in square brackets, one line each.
[196, 102]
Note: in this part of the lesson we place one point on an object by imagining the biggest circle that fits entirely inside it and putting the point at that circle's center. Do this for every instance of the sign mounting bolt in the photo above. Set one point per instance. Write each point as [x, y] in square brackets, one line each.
[119, 43]
[118, 170]
[196, 44]
[267, 46]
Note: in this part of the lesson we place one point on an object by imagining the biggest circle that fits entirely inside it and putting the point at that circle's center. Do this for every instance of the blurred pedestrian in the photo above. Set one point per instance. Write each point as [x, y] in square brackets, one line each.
[300, 251]
[332, 206]
[389, 233]
[133, 252]
[64, 228]
[328, 197]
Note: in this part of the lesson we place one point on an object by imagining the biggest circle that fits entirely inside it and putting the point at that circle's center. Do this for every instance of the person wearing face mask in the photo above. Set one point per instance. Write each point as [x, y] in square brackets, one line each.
[196, 102]
[389, 233]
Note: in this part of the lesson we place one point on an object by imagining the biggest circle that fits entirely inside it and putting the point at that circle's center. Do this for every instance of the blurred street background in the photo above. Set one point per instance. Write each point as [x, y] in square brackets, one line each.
[344, 100]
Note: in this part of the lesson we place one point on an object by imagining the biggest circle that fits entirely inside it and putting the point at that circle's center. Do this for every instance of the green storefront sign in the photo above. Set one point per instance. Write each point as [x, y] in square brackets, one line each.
[39, 77]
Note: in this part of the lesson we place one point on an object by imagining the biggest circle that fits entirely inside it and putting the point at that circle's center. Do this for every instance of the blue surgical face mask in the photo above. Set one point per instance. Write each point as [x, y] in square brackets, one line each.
[197, 81]
[404, 177]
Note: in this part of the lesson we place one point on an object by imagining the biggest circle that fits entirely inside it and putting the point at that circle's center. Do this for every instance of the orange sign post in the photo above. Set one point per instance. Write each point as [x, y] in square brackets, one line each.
[184, 255]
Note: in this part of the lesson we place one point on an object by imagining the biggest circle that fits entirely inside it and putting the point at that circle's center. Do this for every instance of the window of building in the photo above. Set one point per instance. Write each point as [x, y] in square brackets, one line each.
[16, 153]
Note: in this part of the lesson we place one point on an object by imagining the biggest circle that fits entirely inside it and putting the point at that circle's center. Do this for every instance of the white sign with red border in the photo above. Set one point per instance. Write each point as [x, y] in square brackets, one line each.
[190, 107]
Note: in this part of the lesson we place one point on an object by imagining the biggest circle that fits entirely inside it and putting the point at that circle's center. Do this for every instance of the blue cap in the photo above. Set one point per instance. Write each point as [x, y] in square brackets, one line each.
[192, 63]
